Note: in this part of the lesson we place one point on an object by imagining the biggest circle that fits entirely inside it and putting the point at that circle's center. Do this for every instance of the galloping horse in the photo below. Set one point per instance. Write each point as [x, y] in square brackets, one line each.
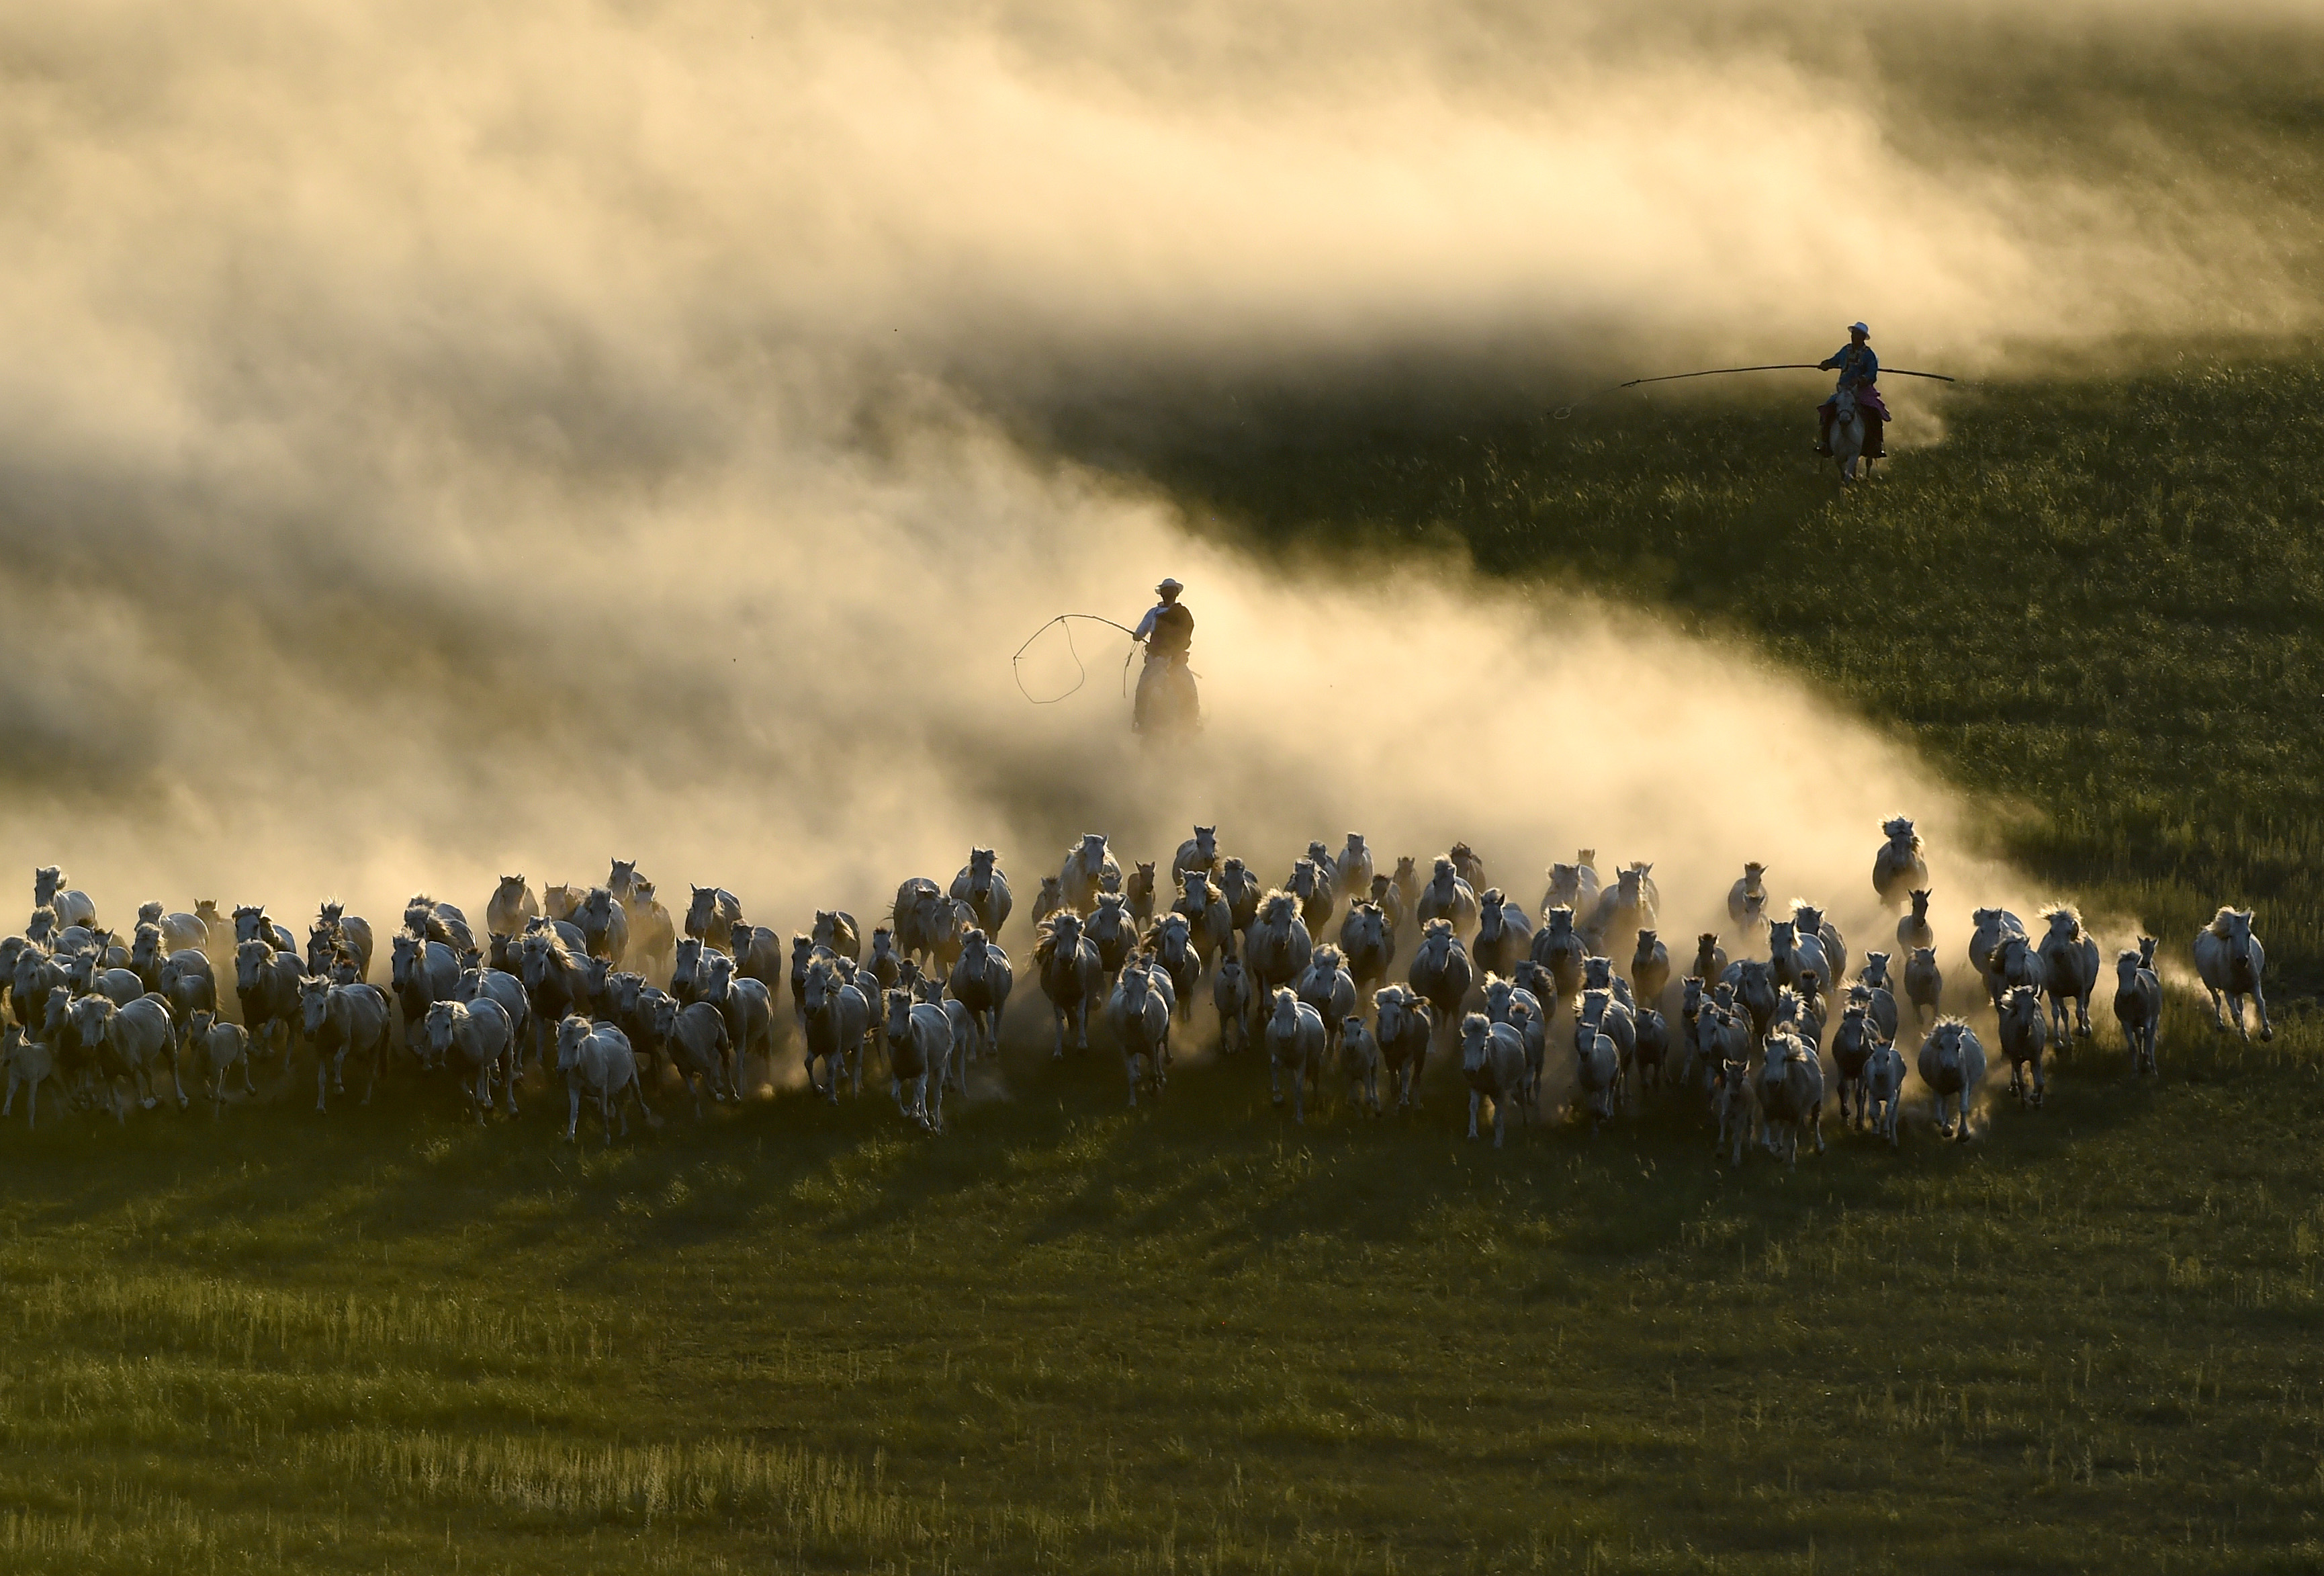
[1849, 425]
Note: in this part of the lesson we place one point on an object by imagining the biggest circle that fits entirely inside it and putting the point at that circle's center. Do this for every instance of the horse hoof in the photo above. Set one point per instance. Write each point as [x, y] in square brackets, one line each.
[148, 1103]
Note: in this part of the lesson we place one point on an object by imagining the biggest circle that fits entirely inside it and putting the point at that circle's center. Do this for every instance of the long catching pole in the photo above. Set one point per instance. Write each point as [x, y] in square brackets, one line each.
[1780, 366]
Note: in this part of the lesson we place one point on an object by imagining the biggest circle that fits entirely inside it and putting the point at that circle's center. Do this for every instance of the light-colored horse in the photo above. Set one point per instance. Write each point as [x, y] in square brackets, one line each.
[599, 1064]
[1573, 886]
[2138, 1008]
[1088, 865]
[1441, 973]
[70, 907]
[1449, 897]
[1953, 1065]
[2231, 962]
[980, 981]
[1367, 945]
[1914, 930]
[1404, 1033]
[1353, 870]
[985, 889]
[1493, 1062]
[2024, 1040]
[1296, 1041]
[1849, 432]
[1925, 983]
[1899, 868]
[1070, 976]
[480, 1035]
[1199, 852]
[2070, 970]
[1140, 1014]
[1791, 1096]
[510, 905]
[919, 1052]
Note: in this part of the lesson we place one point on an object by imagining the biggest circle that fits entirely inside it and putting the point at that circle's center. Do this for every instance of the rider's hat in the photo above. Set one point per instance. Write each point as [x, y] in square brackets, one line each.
[1169, 586]
[1859, 329]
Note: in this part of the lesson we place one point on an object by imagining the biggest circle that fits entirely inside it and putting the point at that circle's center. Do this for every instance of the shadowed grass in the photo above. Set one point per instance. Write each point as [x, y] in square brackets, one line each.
[1069, 1338]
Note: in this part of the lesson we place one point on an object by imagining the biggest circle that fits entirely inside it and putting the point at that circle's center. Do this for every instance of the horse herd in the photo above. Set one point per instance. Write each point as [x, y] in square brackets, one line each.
[625, 998]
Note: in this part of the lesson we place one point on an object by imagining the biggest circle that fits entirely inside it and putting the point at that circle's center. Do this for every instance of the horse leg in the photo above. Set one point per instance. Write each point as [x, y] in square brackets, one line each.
[2259, 1005]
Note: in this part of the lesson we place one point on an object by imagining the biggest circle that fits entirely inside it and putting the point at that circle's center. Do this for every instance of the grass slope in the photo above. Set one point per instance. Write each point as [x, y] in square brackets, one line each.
[1069, 1338]
[2101, 601]
[1194, 1340]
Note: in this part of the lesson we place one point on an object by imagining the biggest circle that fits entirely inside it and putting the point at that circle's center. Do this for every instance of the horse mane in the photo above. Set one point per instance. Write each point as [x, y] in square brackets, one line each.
[1325, 956]
[2219, 925]
[1899, 828]
[2063, 911]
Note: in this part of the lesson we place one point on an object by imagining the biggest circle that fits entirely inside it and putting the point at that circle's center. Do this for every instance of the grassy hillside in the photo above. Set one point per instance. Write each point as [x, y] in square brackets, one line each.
[1069, 1338]
[2102, 601]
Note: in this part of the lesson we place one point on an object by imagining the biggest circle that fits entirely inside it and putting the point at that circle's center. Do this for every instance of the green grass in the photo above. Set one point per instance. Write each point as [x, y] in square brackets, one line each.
[2099, 606]
[1070, 1338]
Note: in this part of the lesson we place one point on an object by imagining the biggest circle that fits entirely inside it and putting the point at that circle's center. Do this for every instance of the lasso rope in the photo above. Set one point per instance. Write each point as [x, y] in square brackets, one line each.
[1081, 671]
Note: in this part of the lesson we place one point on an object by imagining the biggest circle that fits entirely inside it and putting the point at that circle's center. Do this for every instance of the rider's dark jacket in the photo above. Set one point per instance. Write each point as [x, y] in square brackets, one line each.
[1171, 630]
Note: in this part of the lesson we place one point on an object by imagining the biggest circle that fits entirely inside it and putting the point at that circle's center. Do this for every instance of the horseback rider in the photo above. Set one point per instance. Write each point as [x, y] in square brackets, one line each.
[1167, 633]
[1859, 370]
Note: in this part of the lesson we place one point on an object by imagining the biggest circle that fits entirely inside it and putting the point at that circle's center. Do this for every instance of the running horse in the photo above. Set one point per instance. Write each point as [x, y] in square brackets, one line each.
[1856, 425]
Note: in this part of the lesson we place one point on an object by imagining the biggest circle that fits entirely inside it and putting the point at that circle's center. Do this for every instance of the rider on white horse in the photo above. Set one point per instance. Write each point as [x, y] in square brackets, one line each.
[1167, 633]
[1859, 369]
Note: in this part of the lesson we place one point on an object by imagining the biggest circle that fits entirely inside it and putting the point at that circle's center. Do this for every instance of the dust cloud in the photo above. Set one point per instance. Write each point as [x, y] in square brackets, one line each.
[440, 442]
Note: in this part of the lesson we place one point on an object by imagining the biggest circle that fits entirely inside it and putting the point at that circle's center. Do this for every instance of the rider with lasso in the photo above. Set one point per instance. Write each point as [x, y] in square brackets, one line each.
[1166, 701]
[1859, 372]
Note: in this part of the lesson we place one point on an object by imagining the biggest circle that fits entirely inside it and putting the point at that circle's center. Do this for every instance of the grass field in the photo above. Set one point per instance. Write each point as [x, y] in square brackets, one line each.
[1069, 1338]
[2099, 605]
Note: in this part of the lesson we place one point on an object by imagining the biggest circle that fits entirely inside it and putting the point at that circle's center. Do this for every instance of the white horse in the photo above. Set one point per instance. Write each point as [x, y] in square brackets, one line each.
[1952, 1065]
[1848, 436]
[1139, 1014]
[1296, 1040]
[1493, 1061]
[2069, 971]
[2138, 1008]
[1088, 864]
[2231, 961]
[1898, 867]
